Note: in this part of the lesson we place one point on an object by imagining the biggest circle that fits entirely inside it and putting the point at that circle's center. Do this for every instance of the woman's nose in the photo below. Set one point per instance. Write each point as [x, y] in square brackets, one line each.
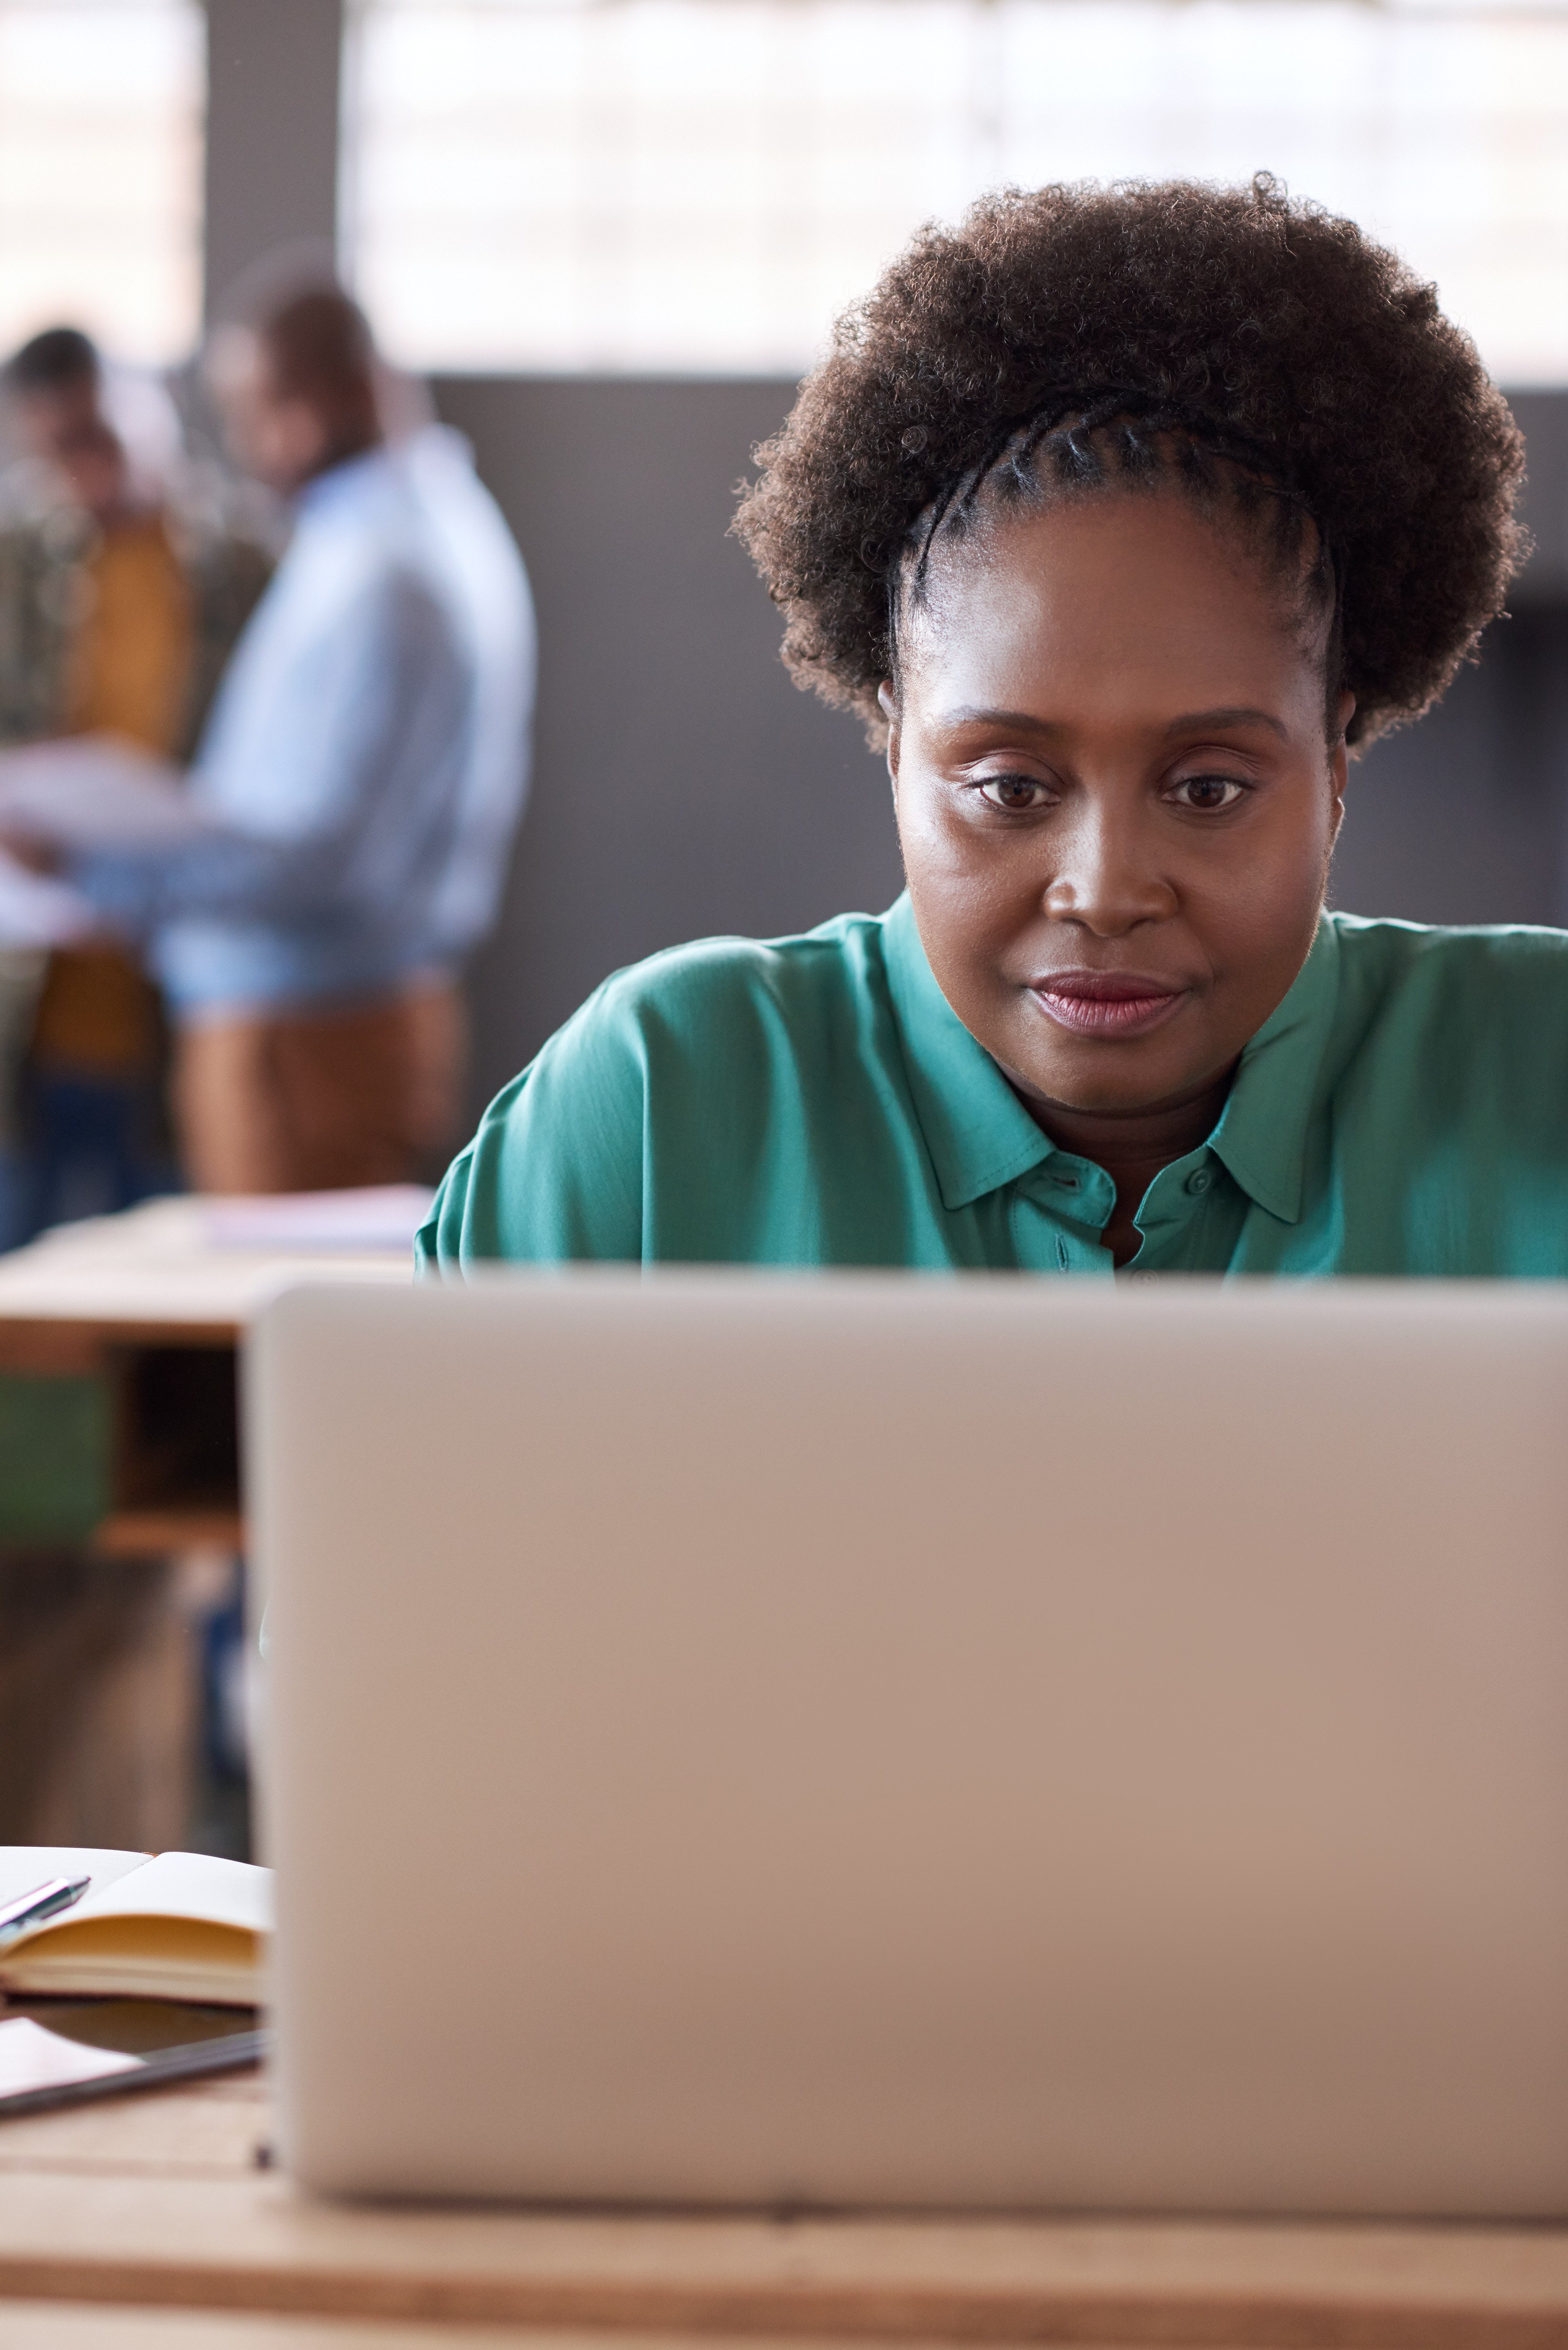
[1108, 875]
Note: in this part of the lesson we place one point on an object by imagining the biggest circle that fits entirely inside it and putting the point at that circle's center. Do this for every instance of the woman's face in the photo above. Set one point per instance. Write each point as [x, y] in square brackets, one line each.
[1116, 798]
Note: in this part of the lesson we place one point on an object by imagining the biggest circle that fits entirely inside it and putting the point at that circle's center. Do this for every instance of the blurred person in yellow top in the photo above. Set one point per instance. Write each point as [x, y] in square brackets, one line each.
[125, 579]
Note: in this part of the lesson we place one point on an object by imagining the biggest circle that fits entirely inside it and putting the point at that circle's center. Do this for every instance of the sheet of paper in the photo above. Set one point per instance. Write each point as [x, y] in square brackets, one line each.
[38, 911]
[93, 792]
[32, 2058]
[382, 1217]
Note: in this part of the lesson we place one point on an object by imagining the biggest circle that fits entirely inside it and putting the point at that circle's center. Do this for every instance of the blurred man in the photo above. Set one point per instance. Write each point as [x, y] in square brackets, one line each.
[122, 590]
[358, 784]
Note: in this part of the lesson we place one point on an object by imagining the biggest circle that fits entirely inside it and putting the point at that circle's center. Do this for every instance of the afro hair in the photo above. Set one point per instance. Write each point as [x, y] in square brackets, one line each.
[1259, 329]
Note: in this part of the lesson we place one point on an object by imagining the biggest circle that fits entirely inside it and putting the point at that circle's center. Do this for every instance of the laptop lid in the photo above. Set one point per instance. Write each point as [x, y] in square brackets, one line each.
[920, 1742]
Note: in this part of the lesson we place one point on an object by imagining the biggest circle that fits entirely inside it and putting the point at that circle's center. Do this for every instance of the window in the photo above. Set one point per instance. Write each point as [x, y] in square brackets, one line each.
[101, 106]
[699, 185]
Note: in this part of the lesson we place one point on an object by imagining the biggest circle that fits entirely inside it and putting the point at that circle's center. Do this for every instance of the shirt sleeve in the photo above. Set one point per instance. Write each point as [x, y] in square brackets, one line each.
[555, 1173]
[291, 777]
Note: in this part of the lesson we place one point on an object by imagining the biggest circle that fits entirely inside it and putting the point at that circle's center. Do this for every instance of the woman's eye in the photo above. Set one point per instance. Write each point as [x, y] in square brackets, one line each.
[1207, 793]
[1017, 793]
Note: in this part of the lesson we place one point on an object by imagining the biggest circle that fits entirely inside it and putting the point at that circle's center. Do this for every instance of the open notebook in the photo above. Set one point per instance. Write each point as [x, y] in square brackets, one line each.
[180, 1926]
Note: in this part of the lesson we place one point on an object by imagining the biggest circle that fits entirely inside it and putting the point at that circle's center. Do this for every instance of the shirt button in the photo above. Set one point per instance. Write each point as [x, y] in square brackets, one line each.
[1198, 1182]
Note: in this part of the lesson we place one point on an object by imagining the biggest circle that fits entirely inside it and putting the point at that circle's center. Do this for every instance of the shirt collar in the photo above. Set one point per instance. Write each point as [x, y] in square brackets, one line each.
[980, 1136]
[1261, 1135]
[977, 1130]
[342, 482]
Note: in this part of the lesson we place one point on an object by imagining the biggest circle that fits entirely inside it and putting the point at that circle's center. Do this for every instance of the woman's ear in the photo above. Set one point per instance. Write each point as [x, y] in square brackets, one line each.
[887, 701]
[1339, 759]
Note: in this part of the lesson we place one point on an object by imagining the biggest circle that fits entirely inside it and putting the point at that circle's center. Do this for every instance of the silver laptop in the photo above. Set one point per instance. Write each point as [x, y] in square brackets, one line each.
[907, 1740]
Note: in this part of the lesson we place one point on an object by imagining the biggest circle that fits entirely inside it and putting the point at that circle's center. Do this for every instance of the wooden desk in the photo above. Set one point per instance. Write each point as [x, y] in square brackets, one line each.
[125, 1330]
[155, 2204]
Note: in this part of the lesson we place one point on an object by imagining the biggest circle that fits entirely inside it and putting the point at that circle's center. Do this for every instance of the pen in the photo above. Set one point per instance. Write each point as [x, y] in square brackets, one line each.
[30, 1909]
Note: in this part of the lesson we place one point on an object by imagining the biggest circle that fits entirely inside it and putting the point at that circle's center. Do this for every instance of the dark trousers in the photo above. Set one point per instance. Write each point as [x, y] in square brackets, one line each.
[89, 1146]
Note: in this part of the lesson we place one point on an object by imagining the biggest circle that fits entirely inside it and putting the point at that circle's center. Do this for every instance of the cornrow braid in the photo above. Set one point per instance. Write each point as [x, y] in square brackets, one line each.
[1076, 442]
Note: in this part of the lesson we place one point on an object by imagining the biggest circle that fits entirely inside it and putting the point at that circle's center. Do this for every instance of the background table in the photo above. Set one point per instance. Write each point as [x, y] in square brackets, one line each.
[118, 1382]
[121, 1507]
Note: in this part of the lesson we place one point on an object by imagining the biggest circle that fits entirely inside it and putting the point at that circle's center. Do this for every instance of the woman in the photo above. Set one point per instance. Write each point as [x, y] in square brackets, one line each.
[1122, 518]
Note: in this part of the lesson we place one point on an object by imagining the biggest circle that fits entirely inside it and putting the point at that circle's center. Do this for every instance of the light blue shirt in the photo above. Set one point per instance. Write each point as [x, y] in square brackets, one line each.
[367, 757]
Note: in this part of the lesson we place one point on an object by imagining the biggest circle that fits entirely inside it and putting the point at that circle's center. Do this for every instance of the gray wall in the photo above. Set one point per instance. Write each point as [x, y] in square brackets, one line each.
[683, 786]
[1460, 818]
[1464, 817]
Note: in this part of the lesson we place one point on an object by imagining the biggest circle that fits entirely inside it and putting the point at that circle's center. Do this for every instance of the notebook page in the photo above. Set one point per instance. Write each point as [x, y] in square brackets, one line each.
[24, 1866]
[185, 1884]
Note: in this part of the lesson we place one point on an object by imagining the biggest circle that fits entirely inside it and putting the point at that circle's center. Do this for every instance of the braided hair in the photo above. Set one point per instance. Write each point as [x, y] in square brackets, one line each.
[1248, 350]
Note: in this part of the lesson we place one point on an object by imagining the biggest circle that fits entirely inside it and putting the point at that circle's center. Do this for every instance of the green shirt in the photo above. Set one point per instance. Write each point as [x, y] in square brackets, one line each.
[814, 1101]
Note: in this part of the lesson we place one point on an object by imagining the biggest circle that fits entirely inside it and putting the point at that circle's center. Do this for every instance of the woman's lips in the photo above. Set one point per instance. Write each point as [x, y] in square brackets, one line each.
[1107, 1003]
